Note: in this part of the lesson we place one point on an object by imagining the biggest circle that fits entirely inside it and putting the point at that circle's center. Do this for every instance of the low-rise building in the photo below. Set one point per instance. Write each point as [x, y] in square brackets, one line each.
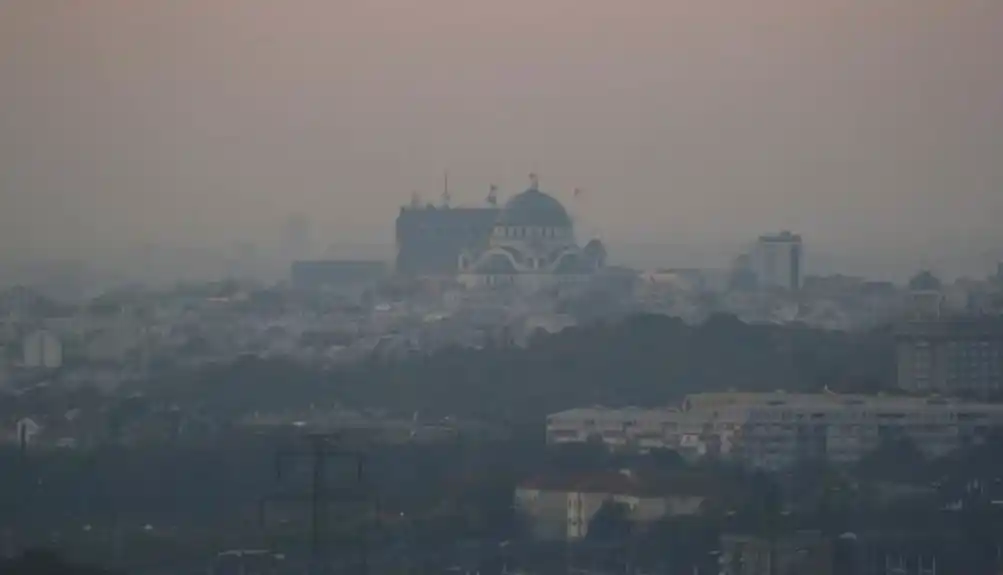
[775, 430]
[562, 508]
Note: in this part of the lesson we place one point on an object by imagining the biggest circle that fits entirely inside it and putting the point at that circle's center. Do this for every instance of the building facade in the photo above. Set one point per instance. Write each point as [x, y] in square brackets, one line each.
[777, 261]
[950, 355]
[777, 430]
[430, 238]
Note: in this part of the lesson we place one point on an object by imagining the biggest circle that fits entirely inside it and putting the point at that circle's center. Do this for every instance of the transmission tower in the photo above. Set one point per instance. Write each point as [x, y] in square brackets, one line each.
[321, 450]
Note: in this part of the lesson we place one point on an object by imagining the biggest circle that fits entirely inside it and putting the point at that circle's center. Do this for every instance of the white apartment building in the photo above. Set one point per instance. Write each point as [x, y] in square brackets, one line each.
[775, 430]
[842, 429]
[705, 424]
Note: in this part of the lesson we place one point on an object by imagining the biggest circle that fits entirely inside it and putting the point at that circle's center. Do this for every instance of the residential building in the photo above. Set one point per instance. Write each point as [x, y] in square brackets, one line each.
[843, 429]
[561, 508]
[777, 261]
[950, 356]
[776, 430]
[628, 428]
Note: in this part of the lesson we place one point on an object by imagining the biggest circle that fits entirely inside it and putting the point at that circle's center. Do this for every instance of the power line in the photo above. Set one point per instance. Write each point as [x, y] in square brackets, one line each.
[321, 450]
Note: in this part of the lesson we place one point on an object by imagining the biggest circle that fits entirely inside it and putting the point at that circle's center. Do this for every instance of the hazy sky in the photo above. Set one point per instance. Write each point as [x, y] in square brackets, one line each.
[872, 127]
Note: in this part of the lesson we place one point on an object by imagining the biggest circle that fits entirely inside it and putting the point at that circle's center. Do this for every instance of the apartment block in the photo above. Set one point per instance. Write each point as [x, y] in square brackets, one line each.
[776, 430]
[950, 356]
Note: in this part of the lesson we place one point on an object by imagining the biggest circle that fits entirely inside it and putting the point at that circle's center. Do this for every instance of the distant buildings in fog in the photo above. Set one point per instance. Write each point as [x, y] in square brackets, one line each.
[777, 430]
[337, 274]
[42, 350]
[528, 244]
[777, 261]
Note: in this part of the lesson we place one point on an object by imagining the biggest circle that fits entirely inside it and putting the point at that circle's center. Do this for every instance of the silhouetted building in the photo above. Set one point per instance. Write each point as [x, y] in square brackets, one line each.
[777, 261]
[430, 238]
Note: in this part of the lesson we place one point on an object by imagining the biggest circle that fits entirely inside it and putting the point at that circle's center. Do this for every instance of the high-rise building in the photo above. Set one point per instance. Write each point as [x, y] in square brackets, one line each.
[777, 261]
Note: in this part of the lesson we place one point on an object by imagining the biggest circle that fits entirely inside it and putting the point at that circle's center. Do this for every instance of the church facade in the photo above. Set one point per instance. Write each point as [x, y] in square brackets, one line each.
[531, 246]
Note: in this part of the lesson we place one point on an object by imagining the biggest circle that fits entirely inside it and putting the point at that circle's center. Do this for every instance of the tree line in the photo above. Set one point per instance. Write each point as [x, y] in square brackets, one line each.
[643, 360]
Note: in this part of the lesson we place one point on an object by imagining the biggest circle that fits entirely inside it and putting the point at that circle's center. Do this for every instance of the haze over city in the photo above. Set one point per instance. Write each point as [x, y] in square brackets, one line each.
[456, 287]
[873, 128]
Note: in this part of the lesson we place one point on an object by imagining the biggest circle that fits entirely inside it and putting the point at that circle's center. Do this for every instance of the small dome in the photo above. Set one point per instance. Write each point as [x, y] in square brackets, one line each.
[534, 208]
[595, 252]
[924, 281]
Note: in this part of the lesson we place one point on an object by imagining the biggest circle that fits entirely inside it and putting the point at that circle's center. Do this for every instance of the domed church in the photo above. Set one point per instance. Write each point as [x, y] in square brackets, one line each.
[532, 246]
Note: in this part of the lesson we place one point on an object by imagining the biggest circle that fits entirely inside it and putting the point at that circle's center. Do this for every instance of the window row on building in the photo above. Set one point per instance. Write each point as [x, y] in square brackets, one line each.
[778, 429]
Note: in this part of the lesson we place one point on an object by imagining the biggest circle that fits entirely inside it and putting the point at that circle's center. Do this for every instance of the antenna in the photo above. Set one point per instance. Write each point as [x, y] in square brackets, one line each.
[445, 189]
[534, 182]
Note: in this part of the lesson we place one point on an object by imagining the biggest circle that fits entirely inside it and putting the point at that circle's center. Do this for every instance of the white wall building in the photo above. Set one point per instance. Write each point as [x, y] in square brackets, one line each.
[775, 430]
[842, 429]
[42, 350]
[777, 261]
